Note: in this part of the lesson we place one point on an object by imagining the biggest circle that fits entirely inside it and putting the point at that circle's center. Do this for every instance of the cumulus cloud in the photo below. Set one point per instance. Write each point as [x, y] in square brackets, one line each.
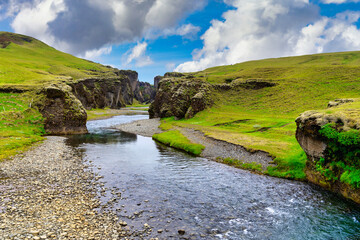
[78, 26]
[272, 28]
[138, 56]
[34, 19]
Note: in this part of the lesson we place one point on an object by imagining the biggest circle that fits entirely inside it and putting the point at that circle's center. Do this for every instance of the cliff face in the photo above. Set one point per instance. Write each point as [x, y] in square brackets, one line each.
[144, 92]
[64, 105]
[332, 145]
[101, 93]
[180, 98]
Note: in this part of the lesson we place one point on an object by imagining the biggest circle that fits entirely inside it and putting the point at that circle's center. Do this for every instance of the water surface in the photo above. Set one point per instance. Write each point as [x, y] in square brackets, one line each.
[171, 190]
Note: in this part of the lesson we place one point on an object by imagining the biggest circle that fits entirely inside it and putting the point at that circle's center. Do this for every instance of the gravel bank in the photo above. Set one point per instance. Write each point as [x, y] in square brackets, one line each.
[49, 193]
[213, 148]
[147, 127]
[216, 148]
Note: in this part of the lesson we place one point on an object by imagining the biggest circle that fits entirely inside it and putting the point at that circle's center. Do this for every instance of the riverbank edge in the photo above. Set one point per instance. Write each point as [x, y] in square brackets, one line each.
[56, 196]
[215, 150]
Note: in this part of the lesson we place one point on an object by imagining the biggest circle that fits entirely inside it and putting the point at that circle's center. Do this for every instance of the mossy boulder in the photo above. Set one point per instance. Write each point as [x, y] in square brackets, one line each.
[332, 145]
[63, 112]
[180, 98]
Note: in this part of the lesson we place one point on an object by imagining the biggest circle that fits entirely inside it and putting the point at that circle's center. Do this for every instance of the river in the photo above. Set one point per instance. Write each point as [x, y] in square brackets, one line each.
[171, 190]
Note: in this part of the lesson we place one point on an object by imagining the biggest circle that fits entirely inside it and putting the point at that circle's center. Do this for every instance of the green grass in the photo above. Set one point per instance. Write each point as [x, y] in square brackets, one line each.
[255, 167]
[264, 119]
[20, 126]
[35, 63]
[175, 139]
[26, 63]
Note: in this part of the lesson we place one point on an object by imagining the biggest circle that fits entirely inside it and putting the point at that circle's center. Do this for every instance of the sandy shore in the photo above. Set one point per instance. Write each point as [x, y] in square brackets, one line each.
[147, 127]
[49, 193]
[213, 148]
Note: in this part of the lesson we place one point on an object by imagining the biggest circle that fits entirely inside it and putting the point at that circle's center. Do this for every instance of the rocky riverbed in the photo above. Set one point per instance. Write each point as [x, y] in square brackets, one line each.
[50, 193]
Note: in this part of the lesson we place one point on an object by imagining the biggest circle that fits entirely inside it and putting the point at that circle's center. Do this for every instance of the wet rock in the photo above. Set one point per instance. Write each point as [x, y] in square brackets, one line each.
[181, 231]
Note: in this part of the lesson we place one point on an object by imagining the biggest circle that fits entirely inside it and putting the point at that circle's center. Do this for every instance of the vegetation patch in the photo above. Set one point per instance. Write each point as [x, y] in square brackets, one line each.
[27, 61]
[175, 139]
[342, 157]
[298, 84]
[20, 125]
[255, 167]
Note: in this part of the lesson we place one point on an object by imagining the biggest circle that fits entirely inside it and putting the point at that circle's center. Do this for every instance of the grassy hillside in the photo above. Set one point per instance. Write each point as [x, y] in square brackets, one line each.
[27, 61]
[264, 119]
[20, 125]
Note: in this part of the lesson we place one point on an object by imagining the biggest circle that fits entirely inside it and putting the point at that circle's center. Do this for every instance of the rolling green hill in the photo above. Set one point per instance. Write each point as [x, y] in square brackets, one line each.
[29, 64]
[263, 118]
[25, 61]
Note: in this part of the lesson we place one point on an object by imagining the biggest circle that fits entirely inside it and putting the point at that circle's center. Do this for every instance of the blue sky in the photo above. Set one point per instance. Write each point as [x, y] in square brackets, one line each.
[157, 36]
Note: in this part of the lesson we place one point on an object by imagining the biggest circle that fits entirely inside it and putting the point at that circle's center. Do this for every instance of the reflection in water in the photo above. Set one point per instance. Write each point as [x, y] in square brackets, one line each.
[170, 190]
[106, 137]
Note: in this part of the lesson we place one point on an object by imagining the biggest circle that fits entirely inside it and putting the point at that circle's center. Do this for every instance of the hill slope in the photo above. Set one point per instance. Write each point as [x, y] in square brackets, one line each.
[255, 103]
[27, 61]
[43, 90]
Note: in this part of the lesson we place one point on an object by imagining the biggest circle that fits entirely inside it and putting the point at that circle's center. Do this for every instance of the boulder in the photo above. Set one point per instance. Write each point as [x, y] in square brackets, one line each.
[63, 112]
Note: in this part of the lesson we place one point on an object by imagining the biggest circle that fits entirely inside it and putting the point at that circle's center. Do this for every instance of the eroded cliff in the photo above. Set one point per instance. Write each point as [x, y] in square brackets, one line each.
[331, 142]
[179, 97]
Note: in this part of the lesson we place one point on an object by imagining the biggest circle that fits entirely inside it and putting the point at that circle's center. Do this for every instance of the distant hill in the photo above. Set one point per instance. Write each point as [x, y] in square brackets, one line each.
[27, 61]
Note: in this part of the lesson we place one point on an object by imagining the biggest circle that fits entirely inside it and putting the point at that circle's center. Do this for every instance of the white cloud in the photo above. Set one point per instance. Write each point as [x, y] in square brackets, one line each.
[33, 19]
[96, 53]
[339, 1]
[138, 56]
[187, 31]
[93, 24]
[272, 28]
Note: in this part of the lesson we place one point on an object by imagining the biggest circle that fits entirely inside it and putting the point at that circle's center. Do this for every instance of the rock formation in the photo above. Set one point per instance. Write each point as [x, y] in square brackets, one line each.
[180, 97]
[101, 93]
[332, 145]
[63, 112]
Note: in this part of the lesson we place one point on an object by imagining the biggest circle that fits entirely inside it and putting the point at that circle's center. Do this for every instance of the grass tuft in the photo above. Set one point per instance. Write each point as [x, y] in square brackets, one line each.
[176, 139]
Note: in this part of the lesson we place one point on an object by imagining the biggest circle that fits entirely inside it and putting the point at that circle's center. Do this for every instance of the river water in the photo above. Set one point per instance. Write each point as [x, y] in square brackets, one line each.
[171, 190]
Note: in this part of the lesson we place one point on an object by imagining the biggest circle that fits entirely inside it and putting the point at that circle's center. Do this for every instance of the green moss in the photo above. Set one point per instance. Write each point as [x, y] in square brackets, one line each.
[342, 157]
[175, 139]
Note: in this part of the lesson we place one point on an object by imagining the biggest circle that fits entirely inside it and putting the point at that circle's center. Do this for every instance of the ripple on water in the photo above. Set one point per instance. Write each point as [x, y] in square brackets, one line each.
[170, 190]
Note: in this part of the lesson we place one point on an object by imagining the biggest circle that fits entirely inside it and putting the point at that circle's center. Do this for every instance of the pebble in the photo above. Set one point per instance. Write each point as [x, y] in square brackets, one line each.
[50, 193]
[181, 231]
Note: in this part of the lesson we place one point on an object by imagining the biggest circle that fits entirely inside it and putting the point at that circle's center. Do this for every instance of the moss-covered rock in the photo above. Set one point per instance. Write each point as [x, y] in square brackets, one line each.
[180, 98]
[63, 112]
[332, 145]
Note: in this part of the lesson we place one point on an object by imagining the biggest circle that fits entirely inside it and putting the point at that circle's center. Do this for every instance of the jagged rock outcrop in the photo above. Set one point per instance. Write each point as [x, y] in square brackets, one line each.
[63, 112]
[101, 93]
[332, 145]
[131, 75]
[180, 97]
[144, 92]
[157, 79]
[338, 102]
